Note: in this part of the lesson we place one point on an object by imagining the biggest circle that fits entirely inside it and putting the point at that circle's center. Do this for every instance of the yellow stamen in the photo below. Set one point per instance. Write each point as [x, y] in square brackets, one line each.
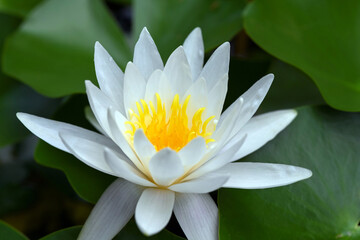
[174, 131]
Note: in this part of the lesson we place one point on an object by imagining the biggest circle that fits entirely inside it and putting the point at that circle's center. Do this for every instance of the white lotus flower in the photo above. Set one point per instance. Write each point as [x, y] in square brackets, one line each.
[164, 136]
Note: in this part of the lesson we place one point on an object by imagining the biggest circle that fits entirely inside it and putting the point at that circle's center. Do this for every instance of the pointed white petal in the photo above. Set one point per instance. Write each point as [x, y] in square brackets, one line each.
[192, 153]
[48, 130]
[124, 170]
[117, 124]
[109, 75]
[197, 215]
[178, 72]
[217, 66]
[204, 184]
[165, 166]
[90, 152]
[220, 160]
[143, 147]
[134, 87]
[259, 130]
[153, 85]
[249, 175]
[194, 50]
[216, 98]
[153, 210]
[198, 97]
[89, 115]
[114, 209]
[252, 100]
[99, 104]
[146, 55]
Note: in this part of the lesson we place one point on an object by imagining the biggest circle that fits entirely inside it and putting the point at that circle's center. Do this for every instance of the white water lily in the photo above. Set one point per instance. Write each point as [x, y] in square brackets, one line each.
[164, 137]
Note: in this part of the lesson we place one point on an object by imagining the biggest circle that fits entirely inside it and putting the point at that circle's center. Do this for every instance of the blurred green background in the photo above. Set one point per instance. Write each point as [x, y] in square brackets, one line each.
[312, 47]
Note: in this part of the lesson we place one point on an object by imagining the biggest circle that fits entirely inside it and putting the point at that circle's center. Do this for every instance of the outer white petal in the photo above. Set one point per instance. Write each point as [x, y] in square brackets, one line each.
[216, 98]
[260, 130]
[165, 166]
[217, 66]
[198, 97]
[90, 152]
[124, 170]
[252, 100]
[197, 215]
[109, 76]
[177, 71]
[89, 115]
[48, 130]
[146, 55]
[153, 210]
[134, 87]
[99, 104]
[194, 50]
[143, 147]
[114, 209]
[249, 175]
[218, 161]
[204, 184]
[192, 153]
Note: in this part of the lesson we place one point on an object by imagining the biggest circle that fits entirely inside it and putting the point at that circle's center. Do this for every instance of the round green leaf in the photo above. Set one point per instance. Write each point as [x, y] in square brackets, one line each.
[130, 232]
[169, 22]
[53, 49]
[319, 37]
[9, 233]
[324, 207]
[86, 181]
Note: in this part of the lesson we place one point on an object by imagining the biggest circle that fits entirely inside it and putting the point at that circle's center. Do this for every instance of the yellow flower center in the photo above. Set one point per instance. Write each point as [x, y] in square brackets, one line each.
[173, 131]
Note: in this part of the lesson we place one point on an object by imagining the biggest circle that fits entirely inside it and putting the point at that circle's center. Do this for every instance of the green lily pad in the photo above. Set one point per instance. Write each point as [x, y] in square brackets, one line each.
[169, 22]
[14, 97]
[54, 47]
[18, 8]
[86, 181]
[319, 37]
[324, 207]
[9, 233]
[130, 232]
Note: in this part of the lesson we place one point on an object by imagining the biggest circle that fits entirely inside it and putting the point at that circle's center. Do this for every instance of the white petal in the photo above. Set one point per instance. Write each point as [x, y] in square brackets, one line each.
[261, 129]
[134, 87]
[165, 166]
[249, 175]
[194, 50]
[99, 104]
[117, 126]
[153, 85]
[220, 160]
[48, 130]
[197, 215]
[90, 152]
[114, 209]
[217, 66]
[109, 75]
[89, 115]
[146, 55]
[216, 98]
[178, 72]
[124, 170]
[143, 147]
[192, 153]
[204, 184]
[198, 97]
[153, 210]
[252, 100]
